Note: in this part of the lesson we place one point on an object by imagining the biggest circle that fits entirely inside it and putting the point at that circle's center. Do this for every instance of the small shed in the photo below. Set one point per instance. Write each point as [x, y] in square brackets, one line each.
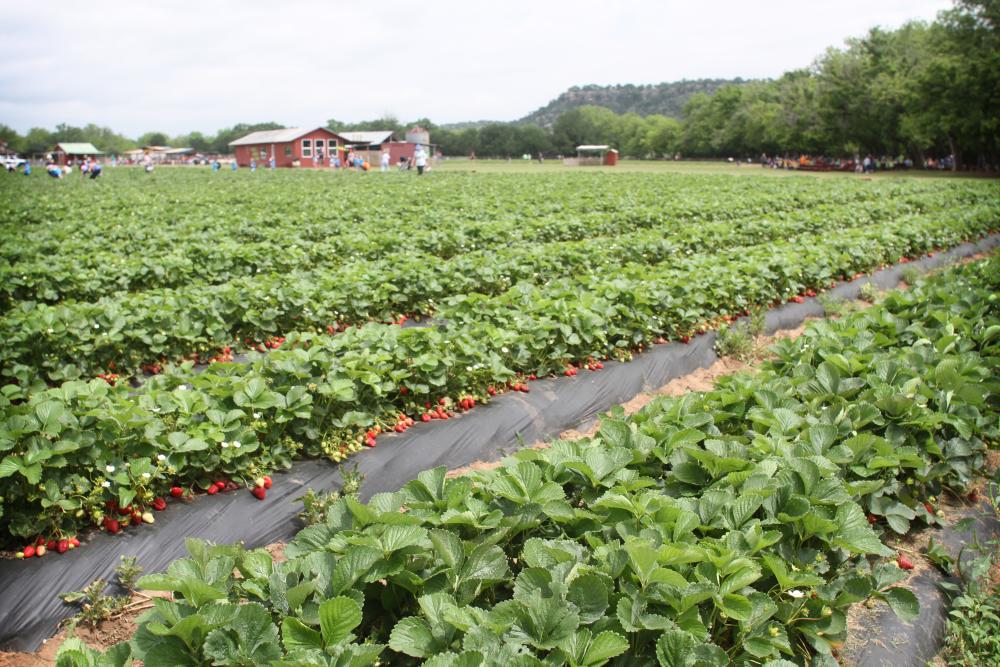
[593, 155]
[289, 147]
[72, 152]
[368, 145]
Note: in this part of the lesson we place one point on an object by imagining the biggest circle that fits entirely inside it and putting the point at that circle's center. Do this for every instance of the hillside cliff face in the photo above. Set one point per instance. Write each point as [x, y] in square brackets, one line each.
[667, 99]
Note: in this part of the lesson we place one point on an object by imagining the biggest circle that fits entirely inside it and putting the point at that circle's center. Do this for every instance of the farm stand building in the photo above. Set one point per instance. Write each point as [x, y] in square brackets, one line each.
[288, 146]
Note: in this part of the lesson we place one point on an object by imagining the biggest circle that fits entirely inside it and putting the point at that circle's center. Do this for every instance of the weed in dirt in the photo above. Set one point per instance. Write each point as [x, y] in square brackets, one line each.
[911, 275]
[869, 292]
[95, 606]
[315, 505]
[739, 340]
[735, 341]
[973, 633]
[834, 306]
[128, 572]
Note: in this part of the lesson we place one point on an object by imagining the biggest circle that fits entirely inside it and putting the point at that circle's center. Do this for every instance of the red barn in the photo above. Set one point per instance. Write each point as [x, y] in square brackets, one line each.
[288, 146]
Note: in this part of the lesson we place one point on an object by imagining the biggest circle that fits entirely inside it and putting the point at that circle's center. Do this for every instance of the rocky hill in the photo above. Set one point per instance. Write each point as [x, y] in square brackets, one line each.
[667, 99]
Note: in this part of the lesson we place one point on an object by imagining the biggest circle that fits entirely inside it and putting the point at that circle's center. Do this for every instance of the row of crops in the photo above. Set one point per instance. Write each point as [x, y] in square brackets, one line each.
[123, 292]
[731, 527]
[544, 301]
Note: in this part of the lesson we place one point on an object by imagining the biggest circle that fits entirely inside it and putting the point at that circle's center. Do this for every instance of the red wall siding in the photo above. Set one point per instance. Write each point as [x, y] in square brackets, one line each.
[327, 137]
[398, 149]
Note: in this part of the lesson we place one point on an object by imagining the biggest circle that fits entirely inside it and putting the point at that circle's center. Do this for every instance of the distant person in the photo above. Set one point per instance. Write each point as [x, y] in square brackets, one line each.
[53, 170]
[233, 165]
[95, 170]
[216, 166]
[385, 160]
[272, 163]
[253, 165]
[27, 167]
[319, 158]
[420, 159]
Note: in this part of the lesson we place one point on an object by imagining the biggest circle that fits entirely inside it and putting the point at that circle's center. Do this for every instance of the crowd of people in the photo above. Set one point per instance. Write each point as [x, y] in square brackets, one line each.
[866, 165]
[92, 167]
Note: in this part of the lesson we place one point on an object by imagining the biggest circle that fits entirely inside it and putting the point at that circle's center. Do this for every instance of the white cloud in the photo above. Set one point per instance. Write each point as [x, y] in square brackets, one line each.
[184, 65]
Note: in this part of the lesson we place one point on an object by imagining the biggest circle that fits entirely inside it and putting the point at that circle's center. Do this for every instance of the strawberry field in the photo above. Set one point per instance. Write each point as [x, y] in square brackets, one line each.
[734, 527]
[521, 276]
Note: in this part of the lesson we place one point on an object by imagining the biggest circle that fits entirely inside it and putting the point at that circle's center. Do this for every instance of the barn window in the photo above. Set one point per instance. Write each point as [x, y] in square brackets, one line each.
[288, 150]
[320, 145]
[307, 149]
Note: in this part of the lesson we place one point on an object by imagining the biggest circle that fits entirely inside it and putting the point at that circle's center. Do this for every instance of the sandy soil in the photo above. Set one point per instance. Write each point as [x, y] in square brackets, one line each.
[102, 636]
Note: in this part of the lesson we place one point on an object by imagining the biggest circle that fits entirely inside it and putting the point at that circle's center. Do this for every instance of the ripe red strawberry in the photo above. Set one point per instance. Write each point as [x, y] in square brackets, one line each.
[40, 541]
[872, 519]
[29, 551]
[442, 401]
[369, 442]
[259, 492]
[267, 482]
[125, 511]
[929, 508]
[685, 339]
[221, 484]
[404, 391]
[212, 490]
[904, 562]
[159, 504]
[176, 491]
[426, 417]
[532, 377]
[51, 545]
[973, 496]
[136, 518]
[111, 525]
[491, 391]
[74, 542]
[62, 546]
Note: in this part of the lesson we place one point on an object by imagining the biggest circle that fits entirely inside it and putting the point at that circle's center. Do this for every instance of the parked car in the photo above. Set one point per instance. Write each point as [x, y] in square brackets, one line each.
[11, 162]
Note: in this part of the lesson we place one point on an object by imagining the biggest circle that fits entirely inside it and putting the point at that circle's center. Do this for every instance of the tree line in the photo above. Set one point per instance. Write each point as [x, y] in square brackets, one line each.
[923, 90]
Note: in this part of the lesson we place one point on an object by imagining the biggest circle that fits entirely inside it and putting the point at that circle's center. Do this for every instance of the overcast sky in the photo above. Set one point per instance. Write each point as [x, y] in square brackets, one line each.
[180, 65]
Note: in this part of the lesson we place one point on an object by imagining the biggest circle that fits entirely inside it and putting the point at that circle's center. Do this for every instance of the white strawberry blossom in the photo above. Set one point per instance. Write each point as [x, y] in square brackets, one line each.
[161, 457]
[236, 444]
[145, 475]
[224, 444]
[257, 415]
[106, 484]
[795, 593]
[110, 468]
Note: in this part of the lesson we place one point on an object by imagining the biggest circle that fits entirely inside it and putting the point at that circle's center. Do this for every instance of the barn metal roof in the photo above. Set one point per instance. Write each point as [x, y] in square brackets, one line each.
[78, 149]
[367, 138]
[276, 136]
